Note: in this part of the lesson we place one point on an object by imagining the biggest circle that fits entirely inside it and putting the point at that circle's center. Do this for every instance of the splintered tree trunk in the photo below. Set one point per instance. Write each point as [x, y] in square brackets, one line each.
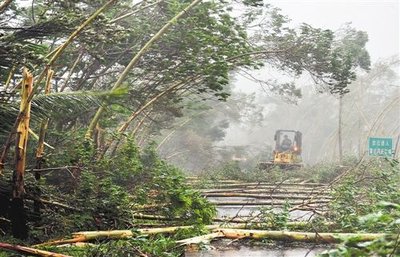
[54, 56]
[18, 217]
[218, 232]
[40, 149]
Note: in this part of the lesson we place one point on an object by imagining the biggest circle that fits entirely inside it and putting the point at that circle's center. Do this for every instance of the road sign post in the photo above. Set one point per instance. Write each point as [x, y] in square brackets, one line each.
[380, 146]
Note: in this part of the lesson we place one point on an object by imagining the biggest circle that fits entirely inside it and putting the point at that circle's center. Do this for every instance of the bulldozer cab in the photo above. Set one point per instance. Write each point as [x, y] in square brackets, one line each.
[288, 140]
[287, 152]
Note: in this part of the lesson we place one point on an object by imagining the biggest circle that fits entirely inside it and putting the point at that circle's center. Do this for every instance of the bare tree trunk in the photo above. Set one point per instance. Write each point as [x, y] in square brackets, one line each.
[340, 129]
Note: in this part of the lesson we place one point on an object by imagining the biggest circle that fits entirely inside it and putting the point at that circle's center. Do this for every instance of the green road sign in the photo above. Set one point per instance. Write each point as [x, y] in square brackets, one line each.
[380, 147]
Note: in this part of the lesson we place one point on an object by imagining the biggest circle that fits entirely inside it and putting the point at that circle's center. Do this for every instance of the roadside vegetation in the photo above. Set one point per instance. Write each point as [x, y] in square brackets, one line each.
[111, 195]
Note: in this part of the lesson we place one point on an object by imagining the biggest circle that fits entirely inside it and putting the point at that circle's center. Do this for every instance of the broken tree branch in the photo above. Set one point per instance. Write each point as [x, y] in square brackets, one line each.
[30, 251]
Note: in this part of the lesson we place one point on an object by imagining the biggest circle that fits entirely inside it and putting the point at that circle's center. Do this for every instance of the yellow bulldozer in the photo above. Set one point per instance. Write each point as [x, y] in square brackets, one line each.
[287, 152]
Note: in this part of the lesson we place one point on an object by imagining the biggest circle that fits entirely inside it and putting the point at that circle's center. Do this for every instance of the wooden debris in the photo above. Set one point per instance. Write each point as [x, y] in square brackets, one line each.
[30, 251]
[264, 196]
[298, 236]
[218, 232]
[84, 236]
[271, 203]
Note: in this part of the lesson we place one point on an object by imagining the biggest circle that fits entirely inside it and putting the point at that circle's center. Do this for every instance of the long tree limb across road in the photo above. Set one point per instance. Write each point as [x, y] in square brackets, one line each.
[217, 231]
[299, 236]
[134, 61]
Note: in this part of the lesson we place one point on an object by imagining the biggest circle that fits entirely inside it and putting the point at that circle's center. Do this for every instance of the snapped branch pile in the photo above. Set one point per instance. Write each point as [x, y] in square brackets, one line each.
[218, 232]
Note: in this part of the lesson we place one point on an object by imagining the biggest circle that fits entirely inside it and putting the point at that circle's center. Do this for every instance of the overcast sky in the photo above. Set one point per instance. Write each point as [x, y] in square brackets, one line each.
[379, 18]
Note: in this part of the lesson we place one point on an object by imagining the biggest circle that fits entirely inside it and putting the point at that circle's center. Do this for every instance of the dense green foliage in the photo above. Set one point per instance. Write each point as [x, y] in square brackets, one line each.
[108, 194]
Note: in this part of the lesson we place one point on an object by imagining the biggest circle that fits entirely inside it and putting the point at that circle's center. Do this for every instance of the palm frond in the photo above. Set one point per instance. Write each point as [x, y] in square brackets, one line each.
[66, 104]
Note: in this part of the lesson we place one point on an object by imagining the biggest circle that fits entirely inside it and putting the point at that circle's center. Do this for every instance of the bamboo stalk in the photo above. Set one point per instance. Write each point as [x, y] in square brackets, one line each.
[71, 70]
[264, 191]
[259, 184]
[31, 251]
[195, 179]
[56, 53]
[263, 196]
[245, 220]
[4, 5]
[40, 146]
[270, 187]
[231, 233]
[10, 75]
[43, 125]
[84, 236]
[35, 136]
[53, 169]
[270, 203]
[299, 236]
[59, 50]
[133, 12]
[134, 61]
[22, 135]
[54, 203]
[141, 109]
[136, 113]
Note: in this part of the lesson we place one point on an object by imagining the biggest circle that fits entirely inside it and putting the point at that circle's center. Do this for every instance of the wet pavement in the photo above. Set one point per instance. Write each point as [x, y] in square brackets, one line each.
[244, 208]
[246, 251]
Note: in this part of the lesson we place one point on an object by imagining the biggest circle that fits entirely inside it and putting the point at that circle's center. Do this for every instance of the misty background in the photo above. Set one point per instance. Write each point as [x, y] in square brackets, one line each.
[242, 128]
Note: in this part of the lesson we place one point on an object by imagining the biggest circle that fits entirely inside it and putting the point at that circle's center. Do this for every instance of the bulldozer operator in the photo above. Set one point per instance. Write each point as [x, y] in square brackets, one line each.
[286, 143]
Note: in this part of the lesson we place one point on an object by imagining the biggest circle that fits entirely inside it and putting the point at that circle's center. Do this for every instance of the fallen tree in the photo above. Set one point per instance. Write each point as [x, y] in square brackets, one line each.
[271, 203]
[217, 232]
[84, 236]
[301, 191]
[269, 185]
[264, 196]
[313, 237]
